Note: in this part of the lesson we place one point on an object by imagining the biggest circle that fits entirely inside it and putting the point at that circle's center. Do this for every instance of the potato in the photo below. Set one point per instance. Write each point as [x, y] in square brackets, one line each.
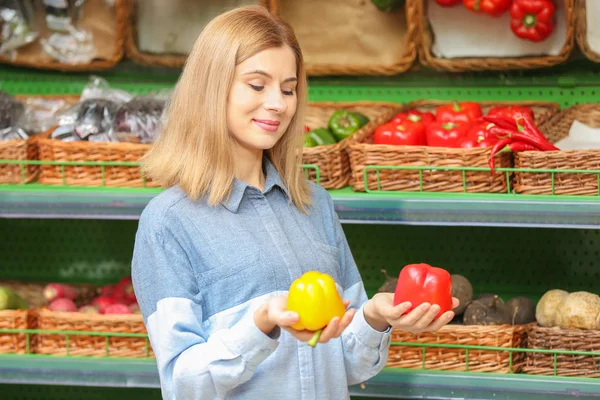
[580, 310]
[545, 311]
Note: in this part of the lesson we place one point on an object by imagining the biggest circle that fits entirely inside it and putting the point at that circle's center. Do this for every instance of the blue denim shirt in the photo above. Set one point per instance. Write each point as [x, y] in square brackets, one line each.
[199, 272]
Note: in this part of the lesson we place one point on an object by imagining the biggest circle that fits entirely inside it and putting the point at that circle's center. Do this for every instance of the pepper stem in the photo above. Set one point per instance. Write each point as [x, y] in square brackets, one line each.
[315, 339]
[530, 20]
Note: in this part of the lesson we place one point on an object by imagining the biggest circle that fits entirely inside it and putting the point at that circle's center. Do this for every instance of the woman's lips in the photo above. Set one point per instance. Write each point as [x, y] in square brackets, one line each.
[267, 125]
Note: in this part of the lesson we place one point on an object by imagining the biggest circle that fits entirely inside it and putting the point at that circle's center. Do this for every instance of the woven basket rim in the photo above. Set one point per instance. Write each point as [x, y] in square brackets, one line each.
[427, 58]
[94, 65]
[44, 312]
[581, 31]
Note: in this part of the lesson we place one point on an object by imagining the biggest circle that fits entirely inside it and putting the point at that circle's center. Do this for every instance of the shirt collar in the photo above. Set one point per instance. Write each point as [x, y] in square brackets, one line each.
[272, 180]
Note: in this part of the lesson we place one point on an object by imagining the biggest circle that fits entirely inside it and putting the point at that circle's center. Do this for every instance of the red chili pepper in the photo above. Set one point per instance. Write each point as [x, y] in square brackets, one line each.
[502, 122]
[447, 134]
[532, 19]
[407, 133]
[448, 3]
[520, 146]
[524, 136]
[306, 128]
[422, 283]
[492, 7]
[513, 112]
[464, 112]
[495, 150]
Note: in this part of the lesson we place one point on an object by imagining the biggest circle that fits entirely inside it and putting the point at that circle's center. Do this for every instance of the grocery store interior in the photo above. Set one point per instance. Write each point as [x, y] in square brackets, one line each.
[464, 134]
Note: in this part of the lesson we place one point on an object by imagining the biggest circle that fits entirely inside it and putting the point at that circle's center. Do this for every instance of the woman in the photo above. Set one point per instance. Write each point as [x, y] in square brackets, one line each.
[216, 252]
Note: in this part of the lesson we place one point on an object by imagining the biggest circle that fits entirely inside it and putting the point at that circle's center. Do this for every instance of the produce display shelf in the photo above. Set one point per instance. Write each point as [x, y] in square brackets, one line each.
[446, 209]
[391, 383]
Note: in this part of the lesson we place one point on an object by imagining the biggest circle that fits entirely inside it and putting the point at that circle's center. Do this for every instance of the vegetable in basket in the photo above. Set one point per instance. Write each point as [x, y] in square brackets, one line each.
[388, 6]
[446, 134]
[494, 8]
[463, 112]
[532, 19]
[407, 133]
[344, 123]
[318, 137]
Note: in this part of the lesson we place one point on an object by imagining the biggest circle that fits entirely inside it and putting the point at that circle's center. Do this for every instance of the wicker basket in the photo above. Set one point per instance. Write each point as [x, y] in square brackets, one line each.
[162, 60]
[340, 38]
[332, 160]
[25, 149]
[426, 56]
[581, 34]
[13, 342]
[566, 364]
[84, 345]
[108, 27]
[123, 176]
[18, 150]
[454, 359]
[555, 129]
[364, 153]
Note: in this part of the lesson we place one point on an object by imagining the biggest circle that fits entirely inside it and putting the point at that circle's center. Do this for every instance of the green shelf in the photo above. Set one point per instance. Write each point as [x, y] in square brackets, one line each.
[444, 209]
[390, 383]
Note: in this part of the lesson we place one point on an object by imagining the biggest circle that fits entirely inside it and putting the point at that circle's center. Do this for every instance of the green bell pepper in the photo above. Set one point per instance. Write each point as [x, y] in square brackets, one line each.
[318, 137]
[363, 118]
[388, 5]
[344, 123]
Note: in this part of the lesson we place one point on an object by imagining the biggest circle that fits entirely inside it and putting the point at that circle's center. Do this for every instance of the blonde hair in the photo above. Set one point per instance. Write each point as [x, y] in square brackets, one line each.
[194, 148]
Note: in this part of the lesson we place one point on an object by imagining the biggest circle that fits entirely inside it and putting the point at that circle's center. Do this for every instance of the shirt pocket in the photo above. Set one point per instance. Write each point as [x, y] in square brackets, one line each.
[235, 281]
[328, 261]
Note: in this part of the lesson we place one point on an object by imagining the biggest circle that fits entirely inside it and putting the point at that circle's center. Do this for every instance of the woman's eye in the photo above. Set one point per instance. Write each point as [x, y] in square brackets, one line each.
[288, 92]
[256, 87]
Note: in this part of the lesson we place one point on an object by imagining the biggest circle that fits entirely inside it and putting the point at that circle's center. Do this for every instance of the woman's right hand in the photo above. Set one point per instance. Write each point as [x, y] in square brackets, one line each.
[273, 313]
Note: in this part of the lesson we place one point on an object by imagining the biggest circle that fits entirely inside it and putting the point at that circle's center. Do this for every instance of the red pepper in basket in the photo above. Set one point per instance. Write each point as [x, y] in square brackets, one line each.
[425, 118]
[471, 143]
[448, 3]
[447, 134]
[532, 19]
[481, 130]
[465, 112]
[513, 112]
[407, 133]
[492, 7]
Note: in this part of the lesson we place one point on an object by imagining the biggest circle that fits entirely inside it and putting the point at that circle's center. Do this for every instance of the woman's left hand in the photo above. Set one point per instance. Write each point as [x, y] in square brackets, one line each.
[381, 313]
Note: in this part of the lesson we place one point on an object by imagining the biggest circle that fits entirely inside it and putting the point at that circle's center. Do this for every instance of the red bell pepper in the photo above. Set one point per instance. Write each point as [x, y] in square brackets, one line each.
[464, 112]
[448, 3]
[492, 7]
[471, 143]
[532, 19]
[481, 130]
[447, 134]
[422, 283]
[407, 133]
[415, 116]
[515, 112]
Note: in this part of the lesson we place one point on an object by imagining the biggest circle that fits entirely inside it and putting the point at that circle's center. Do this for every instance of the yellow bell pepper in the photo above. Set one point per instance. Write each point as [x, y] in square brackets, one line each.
[316, 300]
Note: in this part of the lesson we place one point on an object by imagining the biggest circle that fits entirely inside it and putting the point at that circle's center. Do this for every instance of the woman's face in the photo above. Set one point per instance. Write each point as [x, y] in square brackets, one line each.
[262, 100]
